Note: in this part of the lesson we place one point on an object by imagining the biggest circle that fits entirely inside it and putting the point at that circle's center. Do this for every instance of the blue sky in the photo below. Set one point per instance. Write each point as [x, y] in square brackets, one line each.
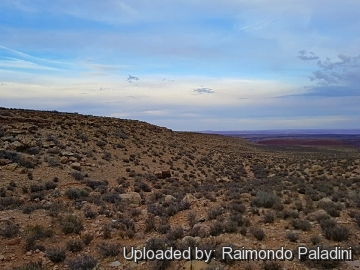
[186, 65]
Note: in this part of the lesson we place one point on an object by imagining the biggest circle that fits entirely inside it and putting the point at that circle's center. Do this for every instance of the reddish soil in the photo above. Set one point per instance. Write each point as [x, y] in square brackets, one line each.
[303, 142]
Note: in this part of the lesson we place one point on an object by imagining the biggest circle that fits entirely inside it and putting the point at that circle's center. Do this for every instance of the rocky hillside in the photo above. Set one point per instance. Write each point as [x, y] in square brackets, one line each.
[77, 190]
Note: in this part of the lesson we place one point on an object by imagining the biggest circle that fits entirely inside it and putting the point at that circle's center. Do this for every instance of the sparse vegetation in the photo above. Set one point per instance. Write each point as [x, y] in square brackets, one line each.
[105, 179]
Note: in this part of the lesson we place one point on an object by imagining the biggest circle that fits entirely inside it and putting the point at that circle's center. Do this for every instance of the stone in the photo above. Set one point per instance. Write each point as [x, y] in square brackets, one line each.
[14, 242]
[76, 166]
[2, 257]
[115, 264]
[169, 199]
[4, 161]
[64, 160]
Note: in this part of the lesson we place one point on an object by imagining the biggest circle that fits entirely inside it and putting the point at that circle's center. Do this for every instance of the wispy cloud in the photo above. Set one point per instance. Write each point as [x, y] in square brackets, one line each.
[203, 90]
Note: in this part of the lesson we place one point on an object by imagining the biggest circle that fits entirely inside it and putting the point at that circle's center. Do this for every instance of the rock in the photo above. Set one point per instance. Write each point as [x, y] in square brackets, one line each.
[76, 166]
[2, 257]
[10, 167]
[169, 199]
[27, 141]
[16, 145]
[14, 242]
[326, 199]
[223, 179]
[64, 160]
[67, 154]
[4, 161]
[48, 144]
[115, 264]
[133, 198]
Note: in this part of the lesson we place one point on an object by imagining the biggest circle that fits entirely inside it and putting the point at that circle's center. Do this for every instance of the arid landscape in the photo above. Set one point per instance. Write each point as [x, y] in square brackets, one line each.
[75, 190]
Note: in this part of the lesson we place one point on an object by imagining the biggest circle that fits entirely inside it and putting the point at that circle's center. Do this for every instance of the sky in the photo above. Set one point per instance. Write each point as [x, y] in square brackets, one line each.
[187, 65]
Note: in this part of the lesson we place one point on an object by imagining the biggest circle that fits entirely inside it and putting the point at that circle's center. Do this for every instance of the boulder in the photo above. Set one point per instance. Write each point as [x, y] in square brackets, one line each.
[76, 166]
[169, 199]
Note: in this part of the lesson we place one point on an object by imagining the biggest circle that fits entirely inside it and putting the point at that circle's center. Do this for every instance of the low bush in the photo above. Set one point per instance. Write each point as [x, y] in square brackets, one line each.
[74, 245]
[9, 229]
[258, 233]
[301, 224]
[71, 224]
[56, 254]
[265, 199]
[83, 262]
[108, 249]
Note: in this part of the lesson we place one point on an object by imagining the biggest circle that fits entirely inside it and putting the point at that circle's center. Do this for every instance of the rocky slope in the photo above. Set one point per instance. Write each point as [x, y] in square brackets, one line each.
[75, 190]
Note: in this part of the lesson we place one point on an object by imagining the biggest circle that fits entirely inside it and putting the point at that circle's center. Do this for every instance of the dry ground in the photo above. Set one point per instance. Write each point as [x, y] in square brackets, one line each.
[76, 189]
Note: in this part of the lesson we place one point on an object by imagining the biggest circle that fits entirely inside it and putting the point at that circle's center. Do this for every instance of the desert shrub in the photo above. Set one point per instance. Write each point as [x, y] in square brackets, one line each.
[71, 224]
[331, 208]
[89, 213]
[301, 224]
[74, 245]
[258, 233]
[29, 208]
[37, 195]
[108, 249]
[269, 217]
[214, 213]
[9, 230]
[95, 184]
[243, 231]
[83, 262]
[144, 187]
[75, 193]
[315, 239]
[77, 175]
[216, 228]
[340, 233]
[9, 202]
[87, 238]
[164, 226]
[237, 206]
[106, 230]
[36, 188]
[150, 223]
[56, 254]
[50, 185]
[332, 231]
[230, 226]
[157, 244]
[191, 218]
[34, 233]
[112, 197]
[265, 199]
[31, 266]
[287, 213]
[292, 236]
[175, 234]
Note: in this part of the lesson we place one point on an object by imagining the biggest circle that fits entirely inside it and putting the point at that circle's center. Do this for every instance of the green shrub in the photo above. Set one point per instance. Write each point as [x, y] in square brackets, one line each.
[265, 199]
[83, 262]
[71, 224]
[9, 230]
[258, 233]
[74, 245]
[56, 254]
